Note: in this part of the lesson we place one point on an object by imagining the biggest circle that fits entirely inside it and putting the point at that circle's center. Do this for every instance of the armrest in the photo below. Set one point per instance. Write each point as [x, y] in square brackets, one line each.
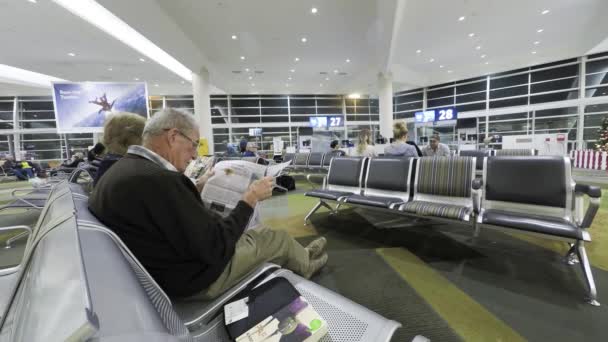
[477, 183]
[589, 190]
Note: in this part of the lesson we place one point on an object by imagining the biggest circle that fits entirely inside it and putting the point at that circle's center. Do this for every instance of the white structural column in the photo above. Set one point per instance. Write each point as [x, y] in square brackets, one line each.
[385, 92]
[202, 111]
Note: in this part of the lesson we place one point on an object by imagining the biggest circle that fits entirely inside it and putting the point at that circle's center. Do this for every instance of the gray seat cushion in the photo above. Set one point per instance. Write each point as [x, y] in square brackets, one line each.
[328, 194]
[532, 223]
[450, 211]
[373, 201]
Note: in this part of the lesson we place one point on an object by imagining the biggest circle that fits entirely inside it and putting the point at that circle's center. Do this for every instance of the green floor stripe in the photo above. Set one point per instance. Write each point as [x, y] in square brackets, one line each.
[468, 318]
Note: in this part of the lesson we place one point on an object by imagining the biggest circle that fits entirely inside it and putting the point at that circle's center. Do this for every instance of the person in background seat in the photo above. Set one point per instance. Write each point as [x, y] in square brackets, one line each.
[335, 145]
[95, 153]
[251, 150]
[400, 147]
[157, 211]
[76, 159]
[365, 147]
[435, 148]
[120, 131]
[21, 169]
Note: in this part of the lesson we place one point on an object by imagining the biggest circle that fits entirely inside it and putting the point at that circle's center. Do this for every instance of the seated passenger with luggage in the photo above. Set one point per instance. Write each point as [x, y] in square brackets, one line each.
[157, 211]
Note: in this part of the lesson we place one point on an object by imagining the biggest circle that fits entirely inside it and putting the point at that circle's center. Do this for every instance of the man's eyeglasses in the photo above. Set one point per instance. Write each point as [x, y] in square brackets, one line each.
[195, 144]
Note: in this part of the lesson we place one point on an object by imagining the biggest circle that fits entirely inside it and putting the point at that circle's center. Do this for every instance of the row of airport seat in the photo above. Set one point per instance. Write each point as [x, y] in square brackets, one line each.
[77, 281]
[315, 161]
[533, 195]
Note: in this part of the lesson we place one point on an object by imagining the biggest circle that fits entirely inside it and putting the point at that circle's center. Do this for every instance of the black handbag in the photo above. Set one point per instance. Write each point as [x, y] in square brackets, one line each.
[264, 301]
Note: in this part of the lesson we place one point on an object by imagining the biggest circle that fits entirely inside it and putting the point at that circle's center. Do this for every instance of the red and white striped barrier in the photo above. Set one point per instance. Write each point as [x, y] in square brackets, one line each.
[589, 159]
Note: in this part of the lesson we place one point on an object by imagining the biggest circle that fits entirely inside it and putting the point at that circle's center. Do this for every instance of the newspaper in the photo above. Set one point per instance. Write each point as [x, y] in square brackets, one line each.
[231, 180]
[198, 167]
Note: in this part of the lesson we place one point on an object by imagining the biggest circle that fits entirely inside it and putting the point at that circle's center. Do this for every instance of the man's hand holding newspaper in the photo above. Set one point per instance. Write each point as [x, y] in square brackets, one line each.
[259, 190]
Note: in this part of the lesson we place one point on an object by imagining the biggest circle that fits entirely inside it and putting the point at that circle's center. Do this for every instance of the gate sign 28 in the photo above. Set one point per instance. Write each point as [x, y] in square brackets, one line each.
[441, 114]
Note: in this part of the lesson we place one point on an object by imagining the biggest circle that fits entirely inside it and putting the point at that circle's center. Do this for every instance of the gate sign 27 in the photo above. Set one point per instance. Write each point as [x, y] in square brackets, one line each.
[441, 114]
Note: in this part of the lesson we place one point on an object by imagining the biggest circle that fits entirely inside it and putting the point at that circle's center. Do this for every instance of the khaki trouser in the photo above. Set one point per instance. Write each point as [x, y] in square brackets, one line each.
[255, 247]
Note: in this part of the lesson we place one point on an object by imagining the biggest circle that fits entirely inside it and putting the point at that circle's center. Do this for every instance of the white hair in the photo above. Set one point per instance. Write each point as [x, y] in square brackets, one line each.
[166, 119]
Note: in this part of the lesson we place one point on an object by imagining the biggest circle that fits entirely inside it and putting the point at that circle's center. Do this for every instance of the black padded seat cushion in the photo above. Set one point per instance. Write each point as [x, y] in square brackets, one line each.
[373, 201]
[532, 223]
[538, 180]
[328, 194]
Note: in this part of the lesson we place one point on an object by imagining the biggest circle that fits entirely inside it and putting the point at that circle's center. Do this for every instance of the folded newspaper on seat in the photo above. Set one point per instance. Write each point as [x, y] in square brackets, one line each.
[232, 178]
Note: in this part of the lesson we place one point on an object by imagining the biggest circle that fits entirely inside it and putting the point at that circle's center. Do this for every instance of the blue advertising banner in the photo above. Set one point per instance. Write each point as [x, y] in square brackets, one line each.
[82, 107]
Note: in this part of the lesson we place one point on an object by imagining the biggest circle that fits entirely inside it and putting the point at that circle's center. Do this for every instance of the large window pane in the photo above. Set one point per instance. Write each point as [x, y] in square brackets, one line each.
[509, 92]
[275, 111]
[471, 97]
[245, 111]
[432, 94]
[471, 88]
[180, 103]
[554, 97]
[409, 106]
[471, 107]
[557, 112]
[303, 110]
[302, 102]
[597, 108]
[281, 102]
[275, 118]
[440, 102]
[509, 81]
[329, 102]
[595, 120]
[596, 79]
[245, 119]
[555, 85]
[245, 103]
[523, 115]
[551, 74]
[38, 124]
[597, 66]
[520, 101]
[408, 98]
[596, 92]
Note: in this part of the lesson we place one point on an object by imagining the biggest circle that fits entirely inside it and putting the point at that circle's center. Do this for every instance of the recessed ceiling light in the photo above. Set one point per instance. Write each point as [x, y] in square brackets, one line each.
[348, 61]
[534, 52]
[545, 12]
[183, 82]
[246, 69]
[540, 30]
[432, 60]
[32, 1]
[487, 63]
[418, 51]
[142, 60]
[296, 59]
[320, 85]
[234, 37]
[478, 47]
[449, 71]
[441, 66]
[289, 78]
[71, 54]
[110, 69]
[327, 78]
[471, 34]
[253, 84]
[156, 84]
[461, 18]
[303, 40]
[313, 10]
[242, 58]
[483, 56]
[536, 42]
[287, 84]
[335, 71]
[250, 77]
[293, 70]
[136, 79]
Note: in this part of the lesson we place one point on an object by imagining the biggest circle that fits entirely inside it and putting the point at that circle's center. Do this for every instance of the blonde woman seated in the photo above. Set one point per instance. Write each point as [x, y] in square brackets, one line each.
[399, 147]
[120, 131]
[364, 147]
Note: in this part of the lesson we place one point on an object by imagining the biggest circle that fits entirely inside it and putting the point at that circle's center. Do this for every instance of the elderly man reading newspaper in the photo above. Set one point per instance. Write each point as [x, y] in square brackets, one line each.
[158, 212]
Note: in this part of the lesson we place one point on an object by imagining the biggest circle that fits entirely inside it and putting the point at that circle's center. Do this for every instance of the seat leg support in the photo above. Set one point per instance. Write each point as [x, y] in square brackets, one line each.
[315, 208]
[571, 256]
[582, 255]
